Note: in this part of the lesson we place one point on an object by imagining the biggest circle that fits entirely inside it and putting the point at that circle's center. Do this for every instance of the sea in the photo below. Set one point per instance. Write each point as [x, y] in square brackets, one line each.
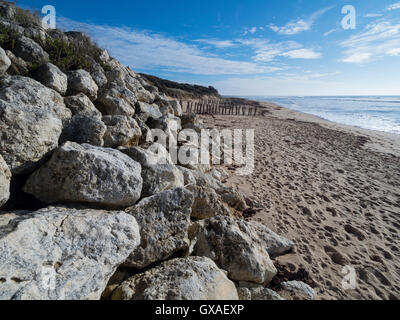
[381, 113]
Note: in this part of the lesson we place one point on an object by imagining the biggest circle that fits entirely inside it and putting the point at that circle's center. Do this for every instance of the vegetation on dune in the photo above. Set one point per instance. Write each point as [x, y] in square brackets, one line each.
[180, 90]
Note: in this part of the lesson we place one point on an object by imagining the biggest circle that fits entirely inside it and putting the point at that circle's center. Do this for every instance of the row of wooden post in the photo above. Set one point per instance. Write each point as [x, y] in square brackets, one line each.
[218, 107]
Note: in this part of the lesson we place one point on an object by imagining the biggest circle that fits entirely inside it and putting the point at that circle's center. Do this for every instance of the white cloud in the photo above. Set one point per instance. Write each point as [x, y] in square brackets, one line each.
[377, 40]
[373, 15]
[302, 54]
[292, 27]
[283, 85]
[252, 30]
[394, 52]
[217, 43]
[147, 50]
[266, 51]
[394, 6]
[300, 25]
[329, 32]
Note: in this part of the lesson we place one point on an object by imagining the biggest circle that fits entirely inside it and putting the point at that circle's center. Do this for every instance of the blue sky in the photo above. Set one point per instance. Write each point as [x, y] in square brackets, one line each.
[248, 48]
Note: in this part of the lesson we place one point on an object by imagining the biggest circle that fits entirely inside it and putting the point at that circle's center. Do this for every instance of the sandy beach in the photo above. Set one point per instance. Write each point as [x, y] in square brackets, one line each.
[334, 190]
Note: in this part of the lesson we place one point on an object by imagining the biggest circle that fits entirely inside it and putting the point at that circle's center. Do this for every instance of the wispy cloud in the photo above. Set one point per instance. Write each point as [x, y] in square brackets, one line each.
[217, 43]
[300, 25]
[285, 84]
[146, 50]
[373, 15]
[377, 40]
[252, 30]
[302, 54]
[394, 6]
[329, 32]
[266, 51]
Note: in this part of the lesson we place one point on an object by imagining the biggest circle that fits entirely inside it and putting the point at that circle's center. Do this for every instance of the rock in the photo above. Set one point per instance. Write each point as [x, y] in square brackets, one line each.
[260, 294]
[193, 278]
[176, 107]
[121, 132]
[300, 288]
[146, 111]
[97, 72]
[5, 179]
[115, 100]
[158, 171]
[207, 204]
[52, 77]
[104, 57]
[18, 65]
[62, 254]
[147, 136]
[233, 198]
[29, 50]
[244, 294]
[31, 121]
[236, 248]
[169, 124]
[80, 81]
[84, 129]
[5, 62]
[164, 221]
[87, 174]
[37, 34]
[188, 176]
[80, 104]
[7, 11]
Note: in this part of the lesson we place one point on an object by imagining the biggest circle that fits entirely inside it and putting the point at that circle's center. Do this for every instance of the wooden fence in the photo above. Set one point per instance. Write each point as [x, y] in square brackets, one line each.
[220, 107]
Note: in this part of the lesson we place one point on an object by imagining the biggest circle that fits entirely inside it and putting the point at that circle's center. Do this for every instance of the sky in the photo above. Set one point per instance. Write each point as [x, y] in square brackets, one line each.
[248, 47]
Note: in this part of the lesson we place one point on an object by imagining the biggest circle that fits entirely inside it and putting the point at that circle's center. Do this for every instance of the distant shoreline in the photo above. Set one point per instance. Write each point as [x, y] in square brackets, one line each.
[333, 121]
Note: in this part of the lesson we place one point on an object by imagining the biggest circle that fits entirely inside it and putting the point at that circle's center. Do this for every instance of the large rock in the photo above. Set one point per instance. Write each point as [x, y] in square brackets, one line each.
[61, 253]
[121, 132]
[193, 278]
[233, 198]
[176, 107]
[158, 171]
[299, 288]
[52, 77]
[29, 50]
[84, 129]
[259, 294]
[5, 178]
[236, 247]
[5, 62]
[146, 111]
[207, 203]
[80, 81]
[80, 104]
[31, 121]
[116, 99]
[164, 221]
[18, 65]
[87, 174]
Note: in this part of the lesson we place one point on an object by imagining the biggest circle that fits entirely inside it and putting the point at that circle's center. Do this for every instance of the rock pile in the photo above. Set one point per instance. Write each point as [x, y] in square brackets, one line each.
[79, 142]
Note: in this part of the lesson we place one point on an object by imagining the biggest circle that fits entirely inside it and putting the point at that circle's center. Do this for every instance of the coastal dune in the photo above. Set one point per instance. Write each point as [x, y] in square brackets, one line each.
[332, 189]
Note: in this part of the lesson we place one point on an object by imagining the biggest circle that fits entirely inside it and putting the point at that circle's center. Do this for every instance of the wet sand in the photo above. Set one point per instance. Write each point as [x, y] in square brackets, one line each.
[334, 190]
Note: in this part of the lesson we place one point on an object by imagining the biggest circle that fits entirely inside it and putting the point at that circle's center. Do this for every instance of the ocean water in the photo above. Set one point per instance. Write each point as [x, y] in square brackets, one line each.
[381, 113]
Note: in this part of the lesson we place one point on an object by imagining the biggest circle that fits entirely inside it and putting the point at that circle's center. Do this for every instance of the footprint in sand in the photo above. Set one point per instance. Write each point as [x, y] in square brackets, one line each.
[336, 256]
[354, 231]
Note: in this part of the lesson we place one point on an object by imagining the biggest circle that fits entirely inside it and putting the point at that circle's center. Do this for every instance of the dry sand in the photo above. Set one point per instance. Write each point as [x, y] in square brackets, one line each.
[334, 190]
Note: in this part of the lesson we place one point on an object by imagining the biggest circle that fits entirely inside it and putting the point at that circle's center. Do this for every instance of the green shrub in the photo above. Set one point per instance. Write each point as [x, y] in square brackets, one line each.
[7, 38]
[71, 55]
[27, 18]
